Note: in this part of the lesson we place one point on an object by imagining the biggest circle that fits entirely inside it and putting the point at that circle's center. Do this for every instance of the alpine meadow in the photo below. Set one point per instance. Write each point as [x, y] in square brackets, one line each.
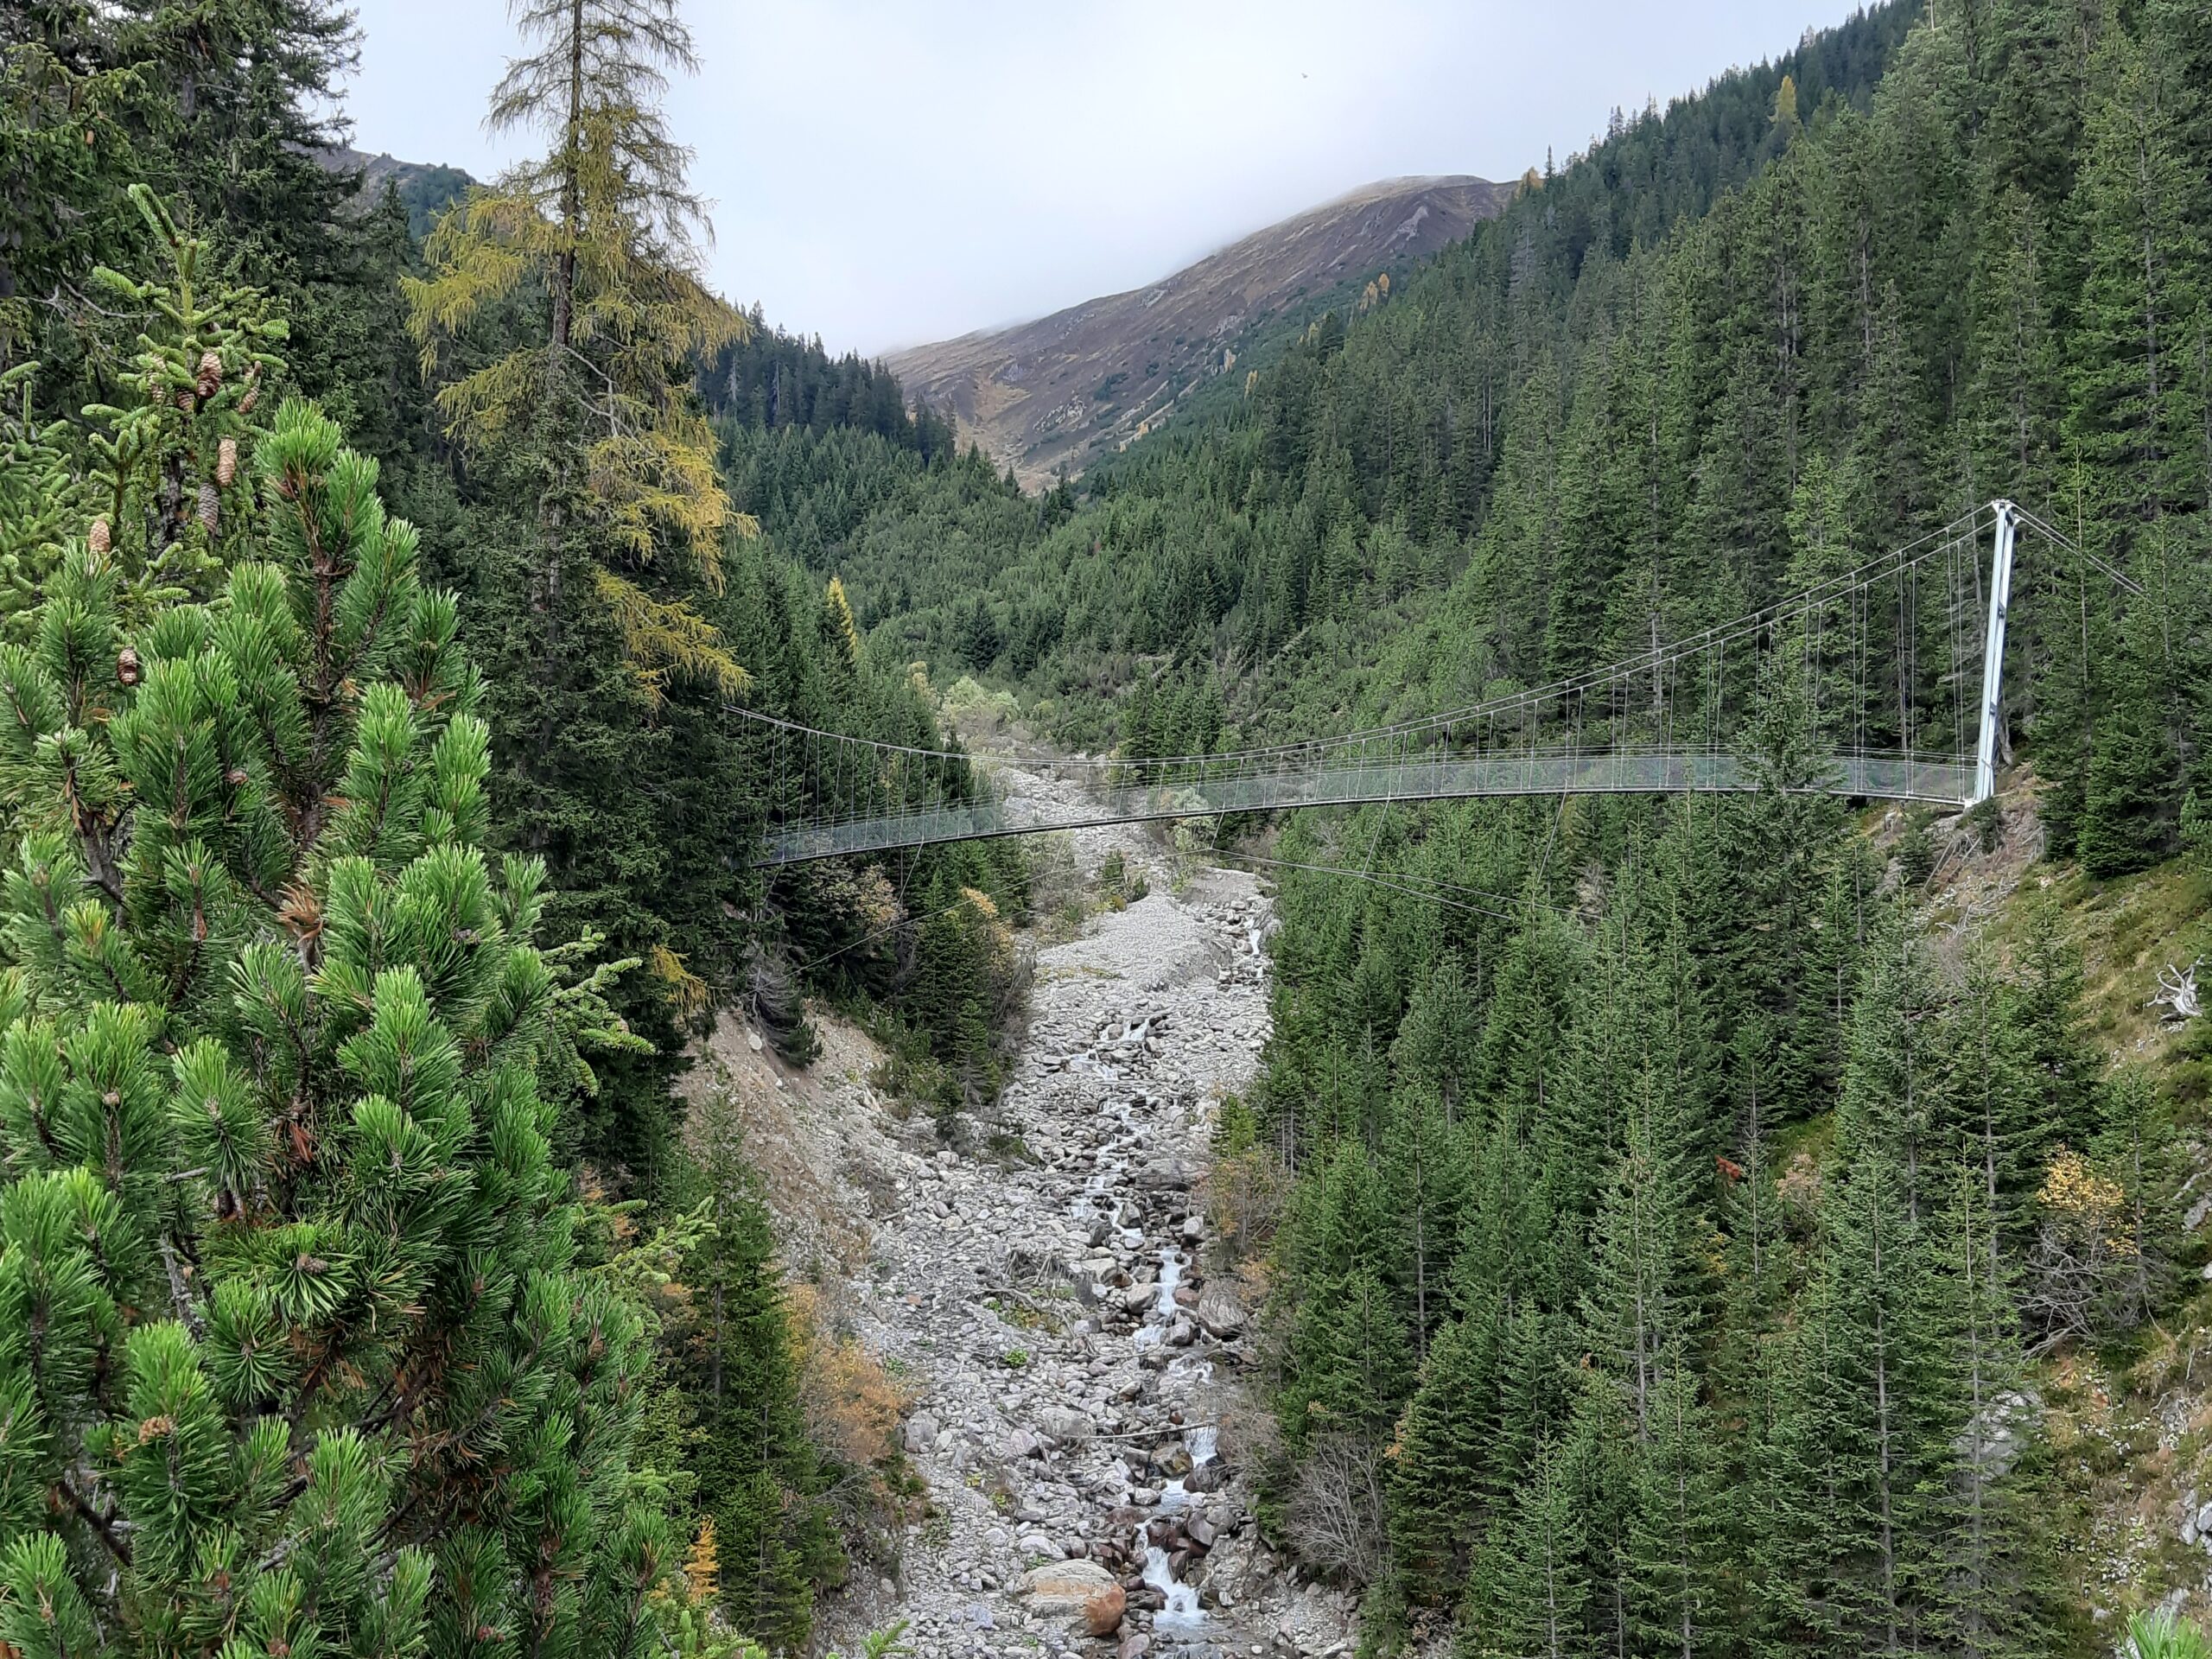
[1473, 934]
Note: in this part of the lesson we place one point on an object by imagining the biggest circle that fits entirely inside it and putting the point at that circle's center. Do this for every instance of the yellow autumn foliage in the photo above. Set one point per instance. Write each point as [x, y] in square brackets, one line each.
[666, 639]
[701, 1565]
[2072, 1189]
[852, 1406]
[841, 614]
[686, 990]
[603, 225]
[998, 938]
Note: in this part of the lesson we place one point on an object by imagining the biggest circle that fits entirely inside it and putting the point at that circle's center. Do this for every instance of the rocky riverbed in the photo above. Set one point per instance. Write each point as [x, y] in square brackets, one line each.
[1073, 1354]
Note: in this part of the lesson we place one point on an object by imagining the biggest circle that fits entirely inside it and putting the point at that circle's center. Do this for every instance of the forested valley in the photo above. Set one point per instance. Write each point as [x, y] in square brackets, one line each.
[1714, 1225]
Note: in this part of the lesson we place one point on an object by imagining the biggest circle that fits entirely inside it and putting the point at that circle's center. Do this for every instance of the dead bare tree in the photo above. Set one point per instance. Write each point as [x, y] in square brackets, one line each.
[2177, 994]
[1334, 1520]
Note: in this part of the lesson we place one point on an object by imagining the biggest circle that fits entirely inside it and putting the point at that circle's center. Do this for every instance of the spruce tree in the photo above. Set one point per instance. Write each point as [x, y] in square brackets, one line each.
[1437, 1489]
[758, 1473]
[1878, 1552]
[1538, 1588]
[1633, 1313]
[1352, 1362]
[1425, 1176]
[1990, 1587]
[2131, 776]
[1678, 1540]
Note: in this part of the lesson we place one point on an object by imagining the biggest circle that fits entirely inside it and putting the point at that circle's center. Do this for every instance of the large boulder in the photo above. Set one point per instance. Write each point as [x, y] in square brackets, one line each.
[1221, 1313]
[1078, 1591]
[1102, 1614]
[1065, 1425]
[1170, 1173]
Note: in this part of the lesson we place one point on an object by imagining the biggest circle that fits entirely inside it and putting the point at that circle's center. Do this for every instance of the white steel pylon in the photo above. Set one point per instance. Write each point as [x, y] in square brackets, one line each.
[1993, 654]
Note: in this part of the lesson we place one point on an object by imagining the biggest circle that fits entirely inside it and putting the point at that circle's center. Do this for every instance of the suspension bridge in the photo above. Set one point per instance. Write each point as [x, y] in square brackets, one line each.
[1901, 662]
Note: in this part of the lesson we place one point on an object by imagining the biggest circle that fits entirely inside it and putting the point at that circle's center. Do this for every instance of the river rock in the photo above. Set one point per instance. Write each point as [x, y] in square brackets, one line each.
[1075, 1590]
[1221, 1313]
[1066, 1425]
[1102, 1614]
[1172, 1173]
[1041, 1413]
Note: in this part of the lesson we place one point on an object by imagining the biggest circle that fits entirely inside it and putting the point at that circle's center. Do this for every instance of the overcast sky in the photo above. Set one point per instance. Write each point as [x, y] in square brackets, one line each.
[888, 172]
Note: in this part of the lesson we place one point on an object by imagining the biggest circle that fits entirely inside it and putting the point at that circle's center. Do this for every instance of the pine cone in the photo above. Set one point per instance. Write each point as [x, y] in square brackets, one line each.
[126, 667]
[227, 461]
[184, 401]
[211, 373]
[246, 402]
[98, 536]
[210, 507]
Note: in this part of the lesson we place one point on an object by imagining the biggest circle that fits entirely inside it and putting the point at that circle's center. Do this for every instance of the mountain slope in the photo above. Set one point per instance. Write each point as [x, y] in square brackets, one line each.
[426, 188]
[1062, 389]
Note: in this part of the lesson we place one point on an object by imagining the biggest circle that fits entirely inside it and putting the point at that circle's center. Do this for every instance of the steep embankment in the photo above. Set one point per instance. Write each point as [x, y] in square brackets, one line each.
[1048, 1296]
[1064, 389]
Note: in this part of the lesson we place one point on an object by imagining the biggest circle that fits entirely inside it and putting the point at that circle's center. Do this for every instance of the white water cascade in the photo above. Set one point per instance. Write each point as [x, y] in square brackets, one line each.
[1182, 1613]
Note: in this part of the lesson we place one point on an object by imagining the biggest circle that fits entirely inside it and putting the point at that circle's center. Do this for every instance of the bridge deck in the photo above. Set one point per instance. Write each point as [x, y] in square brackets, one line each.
[1947, 780]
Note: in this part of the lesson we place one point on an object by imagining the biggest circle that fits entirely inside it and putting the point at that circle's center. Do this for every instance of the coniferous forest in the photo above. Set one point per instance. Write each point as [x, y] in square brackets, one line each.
[1683, 1225]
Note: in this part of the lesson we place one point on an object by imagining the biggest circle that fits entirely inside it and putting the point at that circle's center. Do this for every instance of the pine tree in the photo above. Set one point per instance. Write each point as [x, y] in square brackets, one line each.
[222, 108]
[161, 483]
[315, 1347]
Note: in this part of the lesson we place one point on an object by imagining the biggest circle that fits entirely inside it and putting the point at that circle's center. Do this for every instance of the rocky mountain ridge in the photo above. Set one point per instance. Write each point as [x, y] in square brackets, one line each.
[1066, 389]
[426, 189]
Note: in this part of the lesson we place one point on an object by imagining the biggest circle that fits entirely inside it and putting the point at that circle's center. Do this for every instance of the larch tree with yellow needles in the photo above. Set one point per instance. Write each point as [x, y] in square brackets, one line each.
[562, 315]
[605, 225]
